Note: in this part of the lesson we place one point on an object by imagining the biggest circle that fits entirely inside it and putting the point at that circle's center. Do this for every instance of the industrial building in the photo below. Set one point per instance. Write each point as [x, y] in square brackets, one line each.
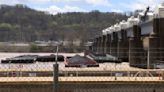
[139, 40]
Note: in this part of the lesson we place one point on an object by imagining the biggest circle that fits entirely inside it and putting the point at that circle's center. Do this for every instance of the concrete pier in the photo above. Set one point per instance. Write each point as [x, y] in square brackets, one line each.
[108, 44]
[114, 44]
[123, 46]
[136, 47]
[142, 44]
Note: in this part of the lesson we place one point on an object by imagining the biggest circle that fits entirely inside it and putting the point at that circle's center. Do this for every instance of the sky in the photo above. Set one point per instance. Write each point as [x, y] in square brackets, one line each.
[61, 6]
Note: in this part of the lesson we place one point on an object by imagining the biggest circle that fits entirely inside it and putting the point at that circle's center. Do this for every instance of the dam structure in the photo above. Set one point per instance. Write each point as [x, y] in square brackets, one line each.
[139, 40]
[134, 46]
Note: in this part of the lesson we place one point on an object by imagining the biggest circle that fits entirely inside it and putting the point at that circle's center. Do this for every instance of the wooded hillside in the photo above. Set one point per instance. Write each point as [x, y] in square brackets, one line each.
[22, 24]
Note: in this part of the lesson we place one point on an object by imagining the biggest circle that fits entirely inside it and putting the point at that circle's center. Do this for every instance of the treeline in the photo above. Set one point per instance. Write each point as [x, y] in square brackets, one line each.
[21, 24]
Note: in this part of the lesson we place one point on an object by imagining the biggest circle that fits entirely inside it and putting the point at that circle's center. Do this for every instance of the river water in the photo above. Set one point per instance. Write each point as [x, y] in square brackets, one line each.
[38, 66]
[48, 66]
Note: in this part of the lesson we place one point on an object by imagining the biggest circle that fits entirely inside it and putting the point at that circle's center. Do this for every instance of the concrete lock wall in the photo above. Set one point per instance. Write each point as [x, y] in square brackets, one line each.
[115, 87]
[26, 87]
[84, 87]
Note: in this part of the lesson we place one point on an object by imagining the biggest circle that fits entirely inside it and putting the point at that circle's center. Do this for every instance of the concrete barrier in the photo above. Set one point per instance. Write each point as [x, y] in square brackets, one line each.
[83, 87]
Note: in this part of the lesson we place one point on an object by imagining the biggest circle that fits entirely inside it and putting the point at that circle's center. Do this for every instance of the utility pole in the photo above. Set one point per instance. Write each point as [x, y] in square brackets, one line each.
[56, 73]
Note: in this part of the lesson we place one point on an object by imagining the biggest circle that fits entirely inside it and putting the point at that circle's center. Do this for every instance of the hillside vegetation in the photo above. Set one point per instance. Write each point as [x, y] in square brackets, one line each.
[21, 24]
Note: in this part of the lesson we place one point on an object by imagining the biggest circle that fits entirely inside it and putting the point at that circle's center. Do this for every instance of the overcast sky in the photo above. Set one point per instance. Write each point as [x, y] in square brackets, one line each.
[56, 6]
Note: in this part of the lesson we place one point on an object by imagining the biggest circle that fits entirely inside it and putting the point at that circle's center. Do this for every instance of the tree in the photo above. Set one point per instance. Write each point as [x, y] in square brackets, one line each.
[34, 48]
[5, 27]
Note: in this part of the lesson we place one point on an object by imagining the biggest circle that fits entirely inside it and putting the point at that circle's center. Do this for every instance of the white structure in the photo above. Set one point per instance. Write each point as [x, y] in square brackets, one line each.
[147, 28]
[130, 23]
[108, 30]
[104, 32]
[118, 30]
[123, 24]
[149, 16]
[117, 27]
[133, 21]
[159, 11]
[112, 29]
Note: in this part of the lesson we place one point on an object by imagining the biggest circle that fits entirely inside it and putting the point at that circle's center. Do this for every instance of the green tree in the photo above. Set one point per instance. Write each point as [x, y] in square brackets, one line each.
[5, 27]
[34, 48]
